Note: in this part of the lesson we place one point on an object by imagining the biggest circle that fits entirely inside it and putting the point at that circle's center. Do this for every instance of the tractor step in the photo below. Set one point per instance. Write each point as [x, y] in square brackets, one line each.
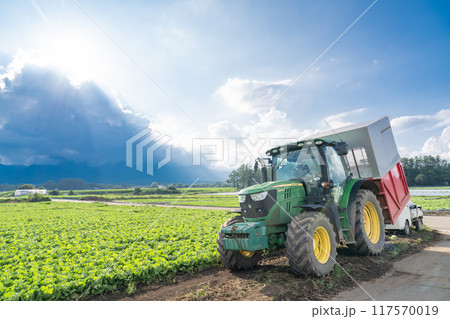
[347, 234]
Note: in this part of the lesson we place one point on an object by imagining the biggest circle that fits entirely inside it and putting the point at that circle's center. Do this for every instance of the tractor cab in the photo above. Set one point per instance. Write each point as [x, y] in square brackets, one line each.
[320, 165]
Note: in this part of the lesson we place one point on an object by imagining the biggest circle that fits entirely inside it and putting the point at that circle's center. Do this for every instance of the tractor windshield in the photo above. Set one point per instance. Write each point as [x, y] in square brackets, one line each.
[300, 164]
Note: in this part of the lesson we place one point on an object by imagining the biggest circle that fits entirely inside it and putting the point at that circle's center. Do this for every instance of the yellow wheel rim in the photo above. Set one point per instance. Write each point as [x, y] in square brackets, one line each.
[322, 245]
[371, 222]
[247, 254]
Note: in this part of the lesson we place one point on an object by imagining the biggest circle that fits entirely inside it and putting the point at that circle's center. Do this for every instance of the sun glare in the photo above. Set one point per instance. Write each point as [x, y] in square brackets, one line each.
[76, 55]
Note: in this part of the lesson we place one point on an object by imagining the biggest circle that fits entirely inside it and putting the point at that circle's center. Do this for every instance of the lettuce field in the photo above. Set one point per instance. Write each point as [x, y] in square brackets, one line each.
[190, 200]
[64, 251]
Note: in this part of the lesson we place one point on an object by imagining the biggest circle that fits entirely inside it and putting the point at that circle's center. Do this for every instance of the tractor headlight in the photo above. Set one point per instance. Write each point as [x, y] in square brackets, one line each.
[241, 198]
[259, 196]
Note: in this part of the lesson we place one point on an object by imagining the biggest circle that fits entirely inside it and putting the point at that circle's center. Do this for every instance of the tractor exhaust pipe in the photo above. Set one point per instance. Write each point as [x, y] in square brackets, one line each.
[263, 169]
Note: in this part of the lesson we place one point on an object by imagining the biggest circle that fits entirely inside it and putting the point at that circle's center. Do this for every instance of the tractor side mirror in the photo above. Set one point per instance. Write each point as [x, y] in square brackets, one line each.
[341, 148]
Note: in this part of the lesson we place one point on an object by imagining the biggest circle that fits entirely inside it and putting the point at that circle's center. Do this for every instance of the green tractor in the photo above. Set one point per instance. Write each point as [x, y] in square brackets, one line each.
[311, 204]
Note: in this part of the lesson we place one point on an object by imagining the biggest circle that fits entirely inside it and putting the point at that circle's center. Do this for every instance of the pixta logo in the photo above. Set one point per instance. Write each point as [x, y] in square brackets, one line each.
[148, 141]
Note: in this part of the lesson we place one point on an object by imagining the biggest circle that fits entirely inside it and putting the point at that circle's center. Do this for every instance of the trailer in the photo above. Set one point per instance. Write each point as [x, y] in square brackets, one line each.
[373, 155]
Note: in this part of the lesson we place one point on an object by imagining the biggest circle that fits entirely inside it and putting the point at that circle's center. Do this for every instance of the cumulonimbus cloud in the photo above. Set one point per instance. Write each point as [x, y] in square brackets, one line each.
[44, 120]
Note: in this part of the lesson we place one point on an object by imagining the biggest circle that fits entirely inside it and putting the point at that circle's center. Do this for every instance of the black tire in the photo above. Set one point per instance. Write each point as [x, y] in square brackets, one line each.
[418, 224]
[233, 259]
[364, 245]
[406, 230]
[300, 244]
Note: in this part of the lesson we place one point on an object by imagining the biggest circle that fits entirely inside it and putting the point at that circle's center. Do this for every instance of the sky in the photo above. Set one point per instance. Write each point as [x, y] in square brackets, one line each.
[78, 78]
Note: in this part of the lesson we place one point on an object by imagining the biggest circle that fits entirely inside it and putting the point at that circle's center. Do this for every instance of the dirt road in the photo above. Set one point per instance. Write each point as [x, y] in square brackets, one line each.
[118, 203]
[422, 276]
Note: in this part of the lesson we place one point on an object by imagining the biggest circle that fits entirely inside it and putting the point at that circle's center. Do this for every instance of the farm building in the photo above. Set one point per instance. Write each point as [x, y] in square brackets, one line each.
[23, 192]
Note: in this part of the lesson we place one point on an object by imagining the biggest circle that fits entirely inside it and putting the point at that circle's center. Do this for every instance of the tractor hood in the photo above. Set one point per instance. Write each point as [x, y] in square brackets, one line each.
[268, 186]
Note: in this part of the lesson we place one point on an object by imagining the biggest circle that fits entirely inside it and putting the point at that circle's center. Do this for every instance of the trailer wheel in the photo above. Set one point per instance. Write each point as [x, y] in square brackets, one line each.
[406, 230]
[311, 244]
[418, 224]
[234, 259]
[369, 224]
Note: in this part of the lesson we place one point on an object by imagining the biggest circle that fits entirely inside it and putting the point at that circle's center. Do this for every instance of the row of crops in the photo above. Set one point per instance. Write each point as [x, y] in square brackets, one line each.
[61, 251]
[432, 202]
[177, 199]
[193, 200]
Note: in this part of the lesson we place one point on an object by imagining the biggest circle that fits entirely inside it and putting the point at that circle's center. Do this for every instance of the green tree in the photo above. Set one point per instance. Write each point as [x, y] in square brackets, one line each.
[426, 171]
[26, 186]
[137, 190]
[72, 183]
[49, 185]
[54, 192]
[234, 179]
[420, 179]
[154, 185]
[244, 176]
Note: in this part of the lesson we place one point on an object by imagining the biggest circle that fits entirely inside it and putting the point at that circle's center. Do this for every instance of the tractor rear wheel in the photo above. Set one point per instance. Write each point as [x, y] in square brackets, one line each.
[369, 224]
[311, 244]
[234, 259]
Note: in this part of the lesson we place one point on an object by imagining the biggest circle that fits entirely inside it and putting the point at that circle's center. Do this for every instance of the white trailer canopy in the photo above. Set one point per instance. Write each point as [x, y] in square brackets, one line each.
[372, 149]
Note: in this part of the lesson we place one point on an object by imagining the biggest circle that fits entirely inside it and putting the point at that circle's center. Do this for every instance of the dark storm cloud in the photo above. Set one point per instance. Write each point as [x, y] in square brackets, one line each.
[45, 120]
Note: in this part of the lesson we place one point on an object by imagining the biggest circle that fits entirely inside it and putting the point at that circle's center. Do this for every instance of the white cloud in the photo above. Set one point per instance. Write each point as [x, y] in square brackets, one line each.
[251, 96]
[404, 151]
[342, 119]
[224, 129]
[405, 123]
[273, 128]
[20, 60]
[438, 145]
[273, 124]
[252, 140]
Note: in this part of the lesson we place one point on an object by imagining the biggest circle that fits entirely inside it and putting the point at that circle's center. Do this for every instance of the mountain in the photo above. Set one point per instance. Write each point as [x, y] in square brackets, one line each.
[108, 174]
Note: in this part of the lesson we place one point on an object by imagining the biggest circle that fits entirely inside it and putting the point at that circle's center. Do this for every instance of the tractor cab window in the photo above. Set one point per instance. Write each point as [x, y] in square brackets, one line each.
[336, 172]
[302, 164]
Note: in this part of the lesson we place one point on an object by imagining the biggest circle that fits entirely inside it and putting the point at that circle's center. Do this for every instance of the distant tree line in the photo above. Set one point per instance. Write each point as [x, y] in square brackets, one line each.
[244, 176]
[80, 184]
[426, 171]
[419, 171]
[64, 184]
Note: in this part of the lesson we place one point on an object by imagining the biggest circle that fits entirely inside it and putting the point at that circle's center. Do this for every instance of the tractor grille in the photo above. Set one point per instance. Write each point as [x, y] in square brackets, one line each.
[259, 209]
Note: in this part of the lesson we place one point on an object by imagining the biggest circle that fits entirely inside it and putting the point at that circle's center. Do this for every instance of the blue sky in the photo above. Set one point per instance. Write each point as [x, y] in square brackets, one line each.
[226, 62]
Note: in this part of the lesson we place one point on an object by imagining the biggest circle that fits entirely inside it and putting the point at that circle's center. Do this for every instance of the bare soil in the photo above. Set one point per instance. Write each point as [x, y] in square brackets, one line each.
[119, 203]
[440, 212]
[273, 279]
[94, 198]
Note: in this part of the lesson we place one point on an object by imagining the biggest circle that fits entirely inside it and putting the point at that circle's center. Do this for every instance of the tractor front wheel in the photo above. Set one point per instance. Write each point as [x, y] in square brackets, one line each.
[311, 244]
[234, 259]
[369, 224]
